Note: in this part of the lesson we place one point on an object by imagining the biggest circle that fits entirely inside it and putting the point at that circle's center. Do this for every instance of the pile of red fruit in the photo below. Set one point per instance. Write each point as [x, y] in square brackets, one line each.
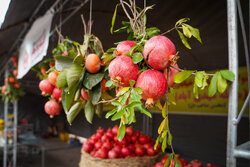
[193, 163]
[48, 88]
[104, 144]
[159, 53]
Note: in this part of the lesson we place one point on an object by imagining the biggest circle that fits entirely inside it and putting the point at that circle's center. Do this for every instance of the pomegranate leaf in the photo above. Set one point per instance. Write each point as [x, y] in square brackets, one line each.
[132, 83]
[176, 162]
[162, 125]
[118, 115]
[113, 19]
[137, 57]
[89, 111]
[158, 104]
[110, 50]
[91, 80]
[121, 132]
[183, 20]
[112, 112]
[98, 110]
[213, 85]
[135, 95]
[63, 62]
[144, 110]
[61, 81]
[132, 49]
[73, 75]
[195, 91]
[164, 144]
[116, 103]
[69, 95]
[138, 90]
[157, 142]
[228, 75]
[184, 40]
[164, 110]
[183, 75]
[151, 32]
[74, 111]
[122, 29]
[95, 93]
[124, 98]
[204, 82]
[169, 138]
[109, 83]
[77, 94]
[131, 117]
[134, 104]
[221, 83]
[168, 160]
[186, 31]
[194, 31]
[122, 91]
[199, 78]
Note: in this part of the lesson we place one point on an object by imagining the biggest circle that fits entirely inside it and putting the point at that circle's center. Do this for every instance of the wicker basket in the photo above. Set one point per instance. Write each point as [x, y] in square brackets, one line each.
[89, 161]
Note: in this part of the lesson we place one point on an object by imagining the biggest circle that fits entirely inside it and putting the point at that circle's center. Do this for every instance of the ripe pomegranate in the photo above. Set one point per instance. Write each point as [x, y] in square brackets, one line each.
[139, 150]
[101, 153]
[210, 165]
[171, 74]
[45, 86]
[107, 146]
[113, 154]
[131, 147]
[196, 163]
[52, 108]
[105, 138]
[122, 69]
[52, 77]
[14, 59]
[157, 52]
[15, 72]
[115, 129]
[143, 139]
[103, 83]
[124, 47]
[11, 79]
[98, 145]
[159, 164]
[151, 151]
[129, 131]
[17, 85]
[93, 63]
[118, 148]
[134, 139]
[125, 151]
[84, 94]
[153, 84]
[87, 147]
[4, 88]
[57, 94]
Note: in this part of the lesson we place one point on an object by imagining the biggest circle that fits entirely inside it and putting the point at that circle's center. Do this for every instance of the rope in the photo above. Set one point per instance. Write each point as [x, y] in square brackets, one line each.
[90, 16]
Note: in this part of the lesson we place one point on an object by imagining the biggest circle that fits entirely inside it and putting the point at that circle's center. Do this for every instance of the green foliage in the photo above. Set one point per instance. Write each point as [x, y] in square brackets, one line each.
[113, 19]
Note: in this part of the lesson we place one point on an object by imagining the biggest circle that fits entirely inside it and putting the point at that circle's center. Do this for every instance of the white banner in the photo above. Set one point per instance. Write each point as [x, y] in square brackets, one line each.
[35, 44]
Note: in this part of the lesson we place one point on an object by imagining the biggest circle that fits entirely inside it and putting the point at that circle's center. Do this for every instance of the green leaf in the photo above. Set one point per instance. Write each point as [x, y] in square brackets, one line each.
[89, 111]
[184, 40]
[95, 94]
[213, 85]
[144, 111]
[98, 110]
[228, 75]
[134, 104]
[195, 32]
[169, 138]
[61, 81]
[195, 91]
[132, 49]
[164, 144]
[112, 112]
[122, 29]
[152, 31]
[64, 102]
[131, 115]
[164, 110]
[186, 31]
[156, 142]
[91, 80]
[109, 83]
[73, 75]
[172, 92]
[113, 19]
[135, 95]
[74, 111]
[183, 75]
[116, 103]
[132, 83]
[176, 162]
[138, 90]
[168, 160]
[122, 91]
[63, 62]
[124, 98]
[183, 20]
[204, 81]
[77, 94]
[162, 125]
[221, 84]
[199, 78]
[111, 50]
[69, 96]
[118, 115]
[137, 57]
[158, 104]
[121, 132]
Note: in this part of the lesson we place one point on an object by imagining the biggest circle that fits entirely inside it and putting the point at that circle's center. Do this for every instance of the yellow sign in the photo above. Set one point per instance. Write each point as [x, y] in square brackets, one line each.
[218, 104]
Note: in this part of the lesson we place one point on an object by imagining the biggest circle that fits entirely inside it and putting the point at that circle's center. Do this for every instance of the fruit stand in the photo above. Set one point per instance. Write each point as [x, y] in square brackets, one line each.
[142, 95]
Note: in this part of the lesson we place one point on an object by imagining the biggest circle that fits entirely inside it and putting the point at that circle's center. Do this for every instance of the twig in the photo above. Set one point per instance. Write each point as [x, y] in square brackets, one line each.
[125, 10]
[107, 101]
[59, 34]
[84, 24]
[194, 73]
[169, 30]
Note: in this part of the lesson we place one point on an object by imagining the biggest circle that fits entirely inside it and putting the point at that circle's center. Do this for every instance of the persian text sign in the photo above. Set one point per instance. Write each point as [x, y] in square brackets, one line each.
[218, 104]
[35, 44]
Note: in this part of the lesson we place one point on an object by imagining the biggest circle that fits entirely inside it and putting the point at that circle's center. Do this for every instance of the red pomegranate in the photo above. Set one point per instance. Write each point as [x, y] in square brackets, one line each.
[57, 94]
[157, 52]
[159, 164]
[52, 108]
[84, 94]
[124, 47]
[87, 146]
[122, 69]
[4, 88]
[153, 84]
[195, 163]
[113, 154]
[52, 77]
[15, 72]
[45, 86]
[172, 72]
[210, 165]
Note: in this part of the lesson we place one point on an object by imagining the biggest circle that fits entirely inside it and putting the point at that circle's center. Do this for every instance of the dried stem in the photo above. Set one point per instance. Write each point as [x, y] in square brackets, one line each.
[61, 38]
[84, 24]
[107, 101]
[194, 73]
[169, 30]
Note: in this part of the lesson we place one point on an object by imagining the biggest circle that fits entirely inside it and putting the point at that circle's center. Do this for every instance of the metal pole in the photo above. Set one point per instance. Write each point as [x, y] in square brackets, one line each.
[15, 133]
[233, 90]
[6, 105]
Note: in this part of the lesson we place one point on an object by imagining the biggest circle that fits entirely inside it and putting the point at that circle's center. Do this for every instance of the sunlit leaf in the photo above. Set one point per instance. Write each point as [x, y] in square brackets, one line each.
[183, 75]
[121, 132]
[221, 84]
[212, 89]
[228, 75]
[113, 19]
[184, 40]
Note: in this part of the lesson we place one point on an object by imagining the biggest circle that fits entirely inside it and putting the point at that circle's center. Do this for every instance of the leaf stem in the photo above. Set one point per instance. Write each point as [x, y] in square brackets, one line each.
[107, 101]
[179, 69]
[169, 30]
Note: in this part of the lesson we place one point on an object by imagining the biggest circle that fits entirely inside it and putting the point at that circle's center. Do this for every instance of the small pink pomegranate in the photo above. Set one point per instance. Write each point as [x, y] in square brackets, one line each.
[195, 163]
[171, 74]
[157, 52]
[124, 47]
[45, 86]
[84, 94]
[121, 70]
[153, 84]
[52, 108]
[57, 94]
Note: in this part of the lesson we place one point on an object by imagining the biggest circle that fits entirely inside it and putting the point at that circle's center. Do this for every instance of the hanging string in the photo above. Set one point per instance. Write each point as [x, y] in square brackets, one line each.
[90, 16]
[145, 4]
